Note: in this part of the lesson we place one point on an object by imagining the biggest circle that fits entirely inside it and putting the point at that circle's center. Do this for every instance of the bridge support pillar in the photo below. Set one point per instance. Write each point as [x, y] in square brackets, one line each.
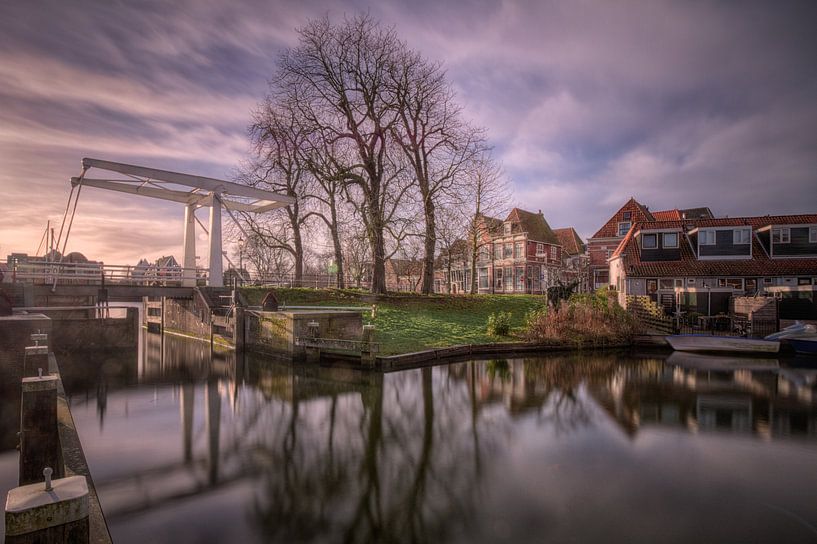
[216, 278]
[189, 263]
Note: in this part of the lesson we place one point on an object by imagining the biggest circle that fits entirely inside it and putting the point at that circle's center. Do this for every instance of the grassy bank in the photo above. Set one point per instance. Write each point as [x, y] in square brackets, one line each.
[409, 322]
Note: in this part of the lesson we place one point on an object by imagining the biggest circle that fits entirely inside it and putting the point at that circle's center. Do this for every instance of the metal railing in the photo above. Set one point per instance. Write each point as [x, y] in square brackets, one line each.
[48, 273]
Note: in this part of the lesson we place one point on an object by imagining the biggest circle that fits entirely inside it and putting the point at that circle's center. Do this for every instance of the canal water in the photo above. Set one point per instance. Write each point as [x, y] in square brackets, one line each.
[185, 446]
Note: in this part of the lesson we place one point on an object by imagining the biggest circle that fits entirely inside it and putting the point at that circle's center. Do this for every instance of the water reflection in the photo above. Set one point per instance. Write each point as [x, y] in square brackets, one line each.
[191, 446]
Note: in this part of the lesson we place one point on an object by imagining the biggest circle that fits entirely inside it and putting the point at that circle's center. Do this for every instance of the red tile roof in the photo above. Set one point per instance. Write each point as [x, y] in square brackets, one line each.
[570, 240]
[667, 215]
[534, 224]
[759, 265]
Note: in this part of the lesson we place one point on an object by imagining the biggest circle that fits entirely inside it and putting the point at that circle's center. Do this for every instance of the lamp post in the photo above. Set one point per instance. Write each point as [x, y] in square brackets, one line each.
[241, 259]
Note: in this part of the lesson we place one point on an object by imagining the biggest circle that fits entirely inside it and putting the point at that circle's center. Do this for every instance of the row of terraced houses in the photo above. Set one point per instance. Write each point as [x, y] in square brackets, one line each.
[682, 259]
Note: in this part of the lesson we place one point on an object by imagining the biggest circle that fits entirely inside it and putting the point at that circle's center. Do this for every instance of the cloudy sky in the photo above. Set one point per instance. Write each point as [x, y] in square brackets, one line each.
[678, 103]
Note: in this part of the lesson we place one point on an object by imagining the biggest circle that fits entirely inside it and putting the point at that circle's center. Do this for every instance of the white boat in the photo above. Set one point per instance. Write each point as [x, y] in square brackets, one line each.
[798, 330]
[727, 344]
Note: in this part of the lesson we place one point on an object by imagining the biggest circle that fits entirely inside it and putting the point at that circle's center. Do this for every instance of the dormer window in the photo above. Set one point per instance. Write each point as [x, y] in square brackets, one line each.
[741, 236]
[670, 240]
[781, 235]
[623, 228]
[649, 241]
[706, 238]
[507, 229]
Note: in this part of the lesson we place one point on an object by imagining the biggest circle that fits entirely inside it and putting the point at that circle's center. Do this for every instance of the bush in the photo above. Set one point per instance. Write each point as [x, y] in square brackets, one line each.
[584, 319]
[499, 324]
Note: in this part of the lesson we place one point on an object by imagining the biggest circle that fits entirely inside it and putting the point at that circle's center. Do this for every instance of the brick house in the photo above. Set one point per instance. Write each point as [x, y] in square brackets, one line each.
[602, 245]
[520, 254]
[574, 258]
[698, 265]
[404, 275]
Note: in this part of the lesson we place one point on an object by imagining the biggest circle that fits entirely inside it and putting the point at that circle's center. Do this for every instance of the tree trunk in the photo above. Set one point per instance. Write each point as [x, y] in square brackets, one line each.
[294, 213]
[430, 246]
[378, 246]
[474, 252]
[338, 258]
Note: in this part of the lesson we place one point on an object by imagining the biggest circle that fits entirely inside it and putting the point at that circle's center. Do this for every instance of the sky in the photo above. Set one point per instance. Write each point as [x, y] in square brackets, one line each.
[680, 104]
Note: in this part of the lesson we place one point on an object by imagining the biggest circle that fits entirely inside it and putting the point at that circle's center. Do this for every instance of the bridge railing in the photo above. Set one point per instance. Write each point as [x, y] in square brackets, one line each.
[45, 272]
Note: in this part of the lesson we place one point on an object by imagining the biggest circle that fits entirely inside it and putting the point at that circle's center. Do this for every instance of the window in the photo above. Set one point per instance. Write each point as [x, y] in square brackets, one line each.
[484, 254]
[803, 281]
[679, 282]
[706, 238]
[782, 235]
[690, 281]
[740, 236]
[768, 281]
[540, 250]
[812, 235]
[508, 251]
[751, 286]
[483, 278]
[507, 229]
[627, 216]
[508, 278]
[649, 241]
[497, 252]
[665, 283]
[554, 253]
[497, 278]
[652, 287]
[670, 239]
[623, 228]
[519, 250]
[721, 282]
[520, 278]
[735, 283]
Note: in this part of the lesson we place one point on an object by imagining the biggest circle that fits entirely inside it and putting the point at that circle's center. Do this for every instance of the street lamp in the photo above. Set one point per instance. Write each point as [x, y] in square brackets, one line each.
[241, 259]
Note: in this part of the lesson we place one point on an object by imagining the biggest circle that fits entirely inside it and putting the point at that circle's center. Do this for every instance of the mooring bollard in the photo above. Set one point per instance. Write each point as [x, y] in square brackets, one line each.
[368, 351]
[39, 434]
[374, 311]
[55, 511]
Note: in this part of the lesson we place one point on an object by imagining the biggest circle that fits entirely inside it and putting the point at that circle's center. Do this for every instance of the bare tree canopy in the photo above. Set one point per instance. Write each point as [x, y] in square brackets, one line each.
[355, 119]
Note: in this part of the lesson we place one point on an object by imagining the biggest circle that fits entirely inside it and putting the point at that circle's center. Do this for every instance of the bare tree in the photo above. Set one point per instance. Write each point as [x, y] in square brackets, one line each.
[487, 194]
[356, 254]
[436, 141]
[266, 259]
[337, 75]
[278, 137]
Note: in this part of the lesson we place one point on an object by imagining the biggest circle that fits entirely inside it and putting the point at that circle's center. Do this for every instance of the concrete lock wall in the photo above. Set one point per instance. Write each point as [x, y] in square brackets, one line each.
[71, 333]
[276, 331]
[188, 316]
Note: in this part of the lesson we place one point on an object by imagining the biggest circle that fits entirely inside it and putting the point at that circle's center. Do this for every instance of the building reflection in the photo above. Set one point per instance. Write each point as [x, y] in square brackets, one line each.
[401, 456]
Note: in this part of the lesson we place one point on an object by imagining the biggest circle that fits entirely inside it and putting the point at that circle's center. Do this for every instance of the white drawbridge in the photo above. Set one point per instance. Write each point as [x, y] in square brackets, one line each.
[192, 191]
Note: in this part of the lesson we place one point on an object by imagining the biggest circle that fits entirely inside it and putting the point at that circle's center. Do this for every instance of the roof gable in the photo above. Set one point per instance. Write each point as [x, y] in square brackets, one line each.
[570, 240]
[534, 224]
[638, 212]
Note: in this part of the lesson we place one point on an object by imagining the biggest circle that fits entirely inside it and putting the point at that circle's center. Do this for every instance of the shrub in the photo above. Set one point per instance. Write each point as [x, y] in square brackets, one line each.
[499, 324]
[584, 319]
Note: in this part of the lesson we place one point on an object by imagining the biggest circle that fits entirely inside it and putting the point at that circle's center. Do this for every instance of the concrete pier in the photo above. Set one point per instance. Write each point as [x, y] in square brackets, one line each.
[55, 512]
[39, 435]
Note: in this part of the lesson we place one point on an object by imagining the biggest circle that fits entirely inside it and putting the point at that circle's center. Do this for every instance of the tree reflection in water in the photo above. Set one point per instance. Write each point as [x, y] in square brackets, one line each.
[335, 454]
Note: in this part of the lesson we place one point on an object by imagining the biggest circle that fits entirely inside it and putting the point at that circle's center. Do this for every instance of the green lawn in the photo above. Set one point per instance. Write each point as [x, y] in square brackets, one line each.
[408, 322]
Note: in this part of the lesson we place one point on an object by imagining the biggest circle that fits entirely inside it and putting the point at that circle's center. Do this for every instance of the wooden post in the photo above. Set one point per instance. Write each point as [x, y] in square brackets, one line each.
[51, 511]
[39, 435]
[35, 358]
